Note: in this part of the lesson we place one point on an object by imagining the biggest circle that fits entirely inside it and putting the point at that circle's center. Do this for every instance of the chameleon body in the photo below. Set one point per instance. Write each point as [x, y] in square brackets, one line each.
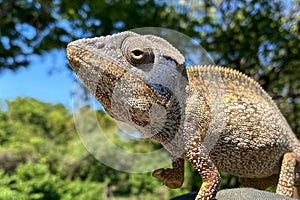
[217, 118]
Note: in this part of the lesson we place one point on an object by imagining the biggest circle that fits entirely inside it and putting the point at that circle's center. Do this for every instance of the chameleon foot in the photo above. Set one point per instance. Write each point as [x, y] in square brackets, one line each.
[169, 177]
[173, 178]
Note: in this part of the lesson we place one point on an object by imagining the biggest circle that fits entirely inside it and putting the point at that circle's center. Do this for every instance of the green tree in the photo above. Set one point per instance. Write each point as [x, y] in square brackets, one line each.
[36, 181]
[33, 27]
[37, 140]
[42, 157]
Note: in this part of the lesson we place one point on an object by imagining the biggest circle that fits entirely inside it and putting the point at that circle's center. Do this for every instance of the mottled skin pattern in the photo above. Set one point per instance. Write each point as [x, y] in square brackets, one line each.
[216, 118]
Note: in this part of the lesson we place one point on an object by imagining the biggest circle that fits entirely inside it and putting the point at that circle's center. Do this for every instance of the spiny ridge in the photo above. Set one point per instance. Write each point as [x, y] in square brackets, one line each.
[228, 73]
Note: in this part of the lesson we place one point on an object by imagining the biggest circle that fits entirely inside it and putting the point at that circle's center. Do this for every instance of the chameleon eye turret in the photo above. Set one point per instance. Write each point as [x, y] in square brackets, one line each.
[137, 52]
[138, 56]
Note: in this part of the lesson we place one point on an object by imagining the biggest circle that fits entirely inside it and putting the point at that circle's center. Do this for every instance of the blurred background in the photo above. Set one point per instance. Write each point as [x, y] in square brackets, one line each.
[41, 155]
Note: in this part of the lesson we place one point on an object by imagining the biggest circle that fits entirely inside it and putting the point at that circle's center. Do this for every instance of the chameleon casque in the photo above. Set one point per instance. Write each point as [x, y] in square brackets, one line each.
[217, 118]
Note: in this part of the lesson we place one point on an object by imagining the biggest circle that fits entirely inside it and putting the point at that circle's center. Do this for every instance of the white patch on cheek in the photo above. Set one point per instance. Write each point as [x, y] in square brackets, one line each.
[158, 114]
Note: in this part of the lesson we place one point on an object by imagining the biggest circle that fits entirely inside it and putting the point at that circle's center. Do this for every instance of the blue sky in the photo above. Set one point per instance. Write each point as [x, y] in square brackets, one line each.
[46, 79]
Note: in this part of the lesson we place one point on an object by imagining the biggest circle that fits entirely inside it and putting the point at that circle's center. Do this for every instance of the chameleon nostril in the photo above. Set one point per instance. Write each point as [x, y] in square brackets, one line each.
[100, 45]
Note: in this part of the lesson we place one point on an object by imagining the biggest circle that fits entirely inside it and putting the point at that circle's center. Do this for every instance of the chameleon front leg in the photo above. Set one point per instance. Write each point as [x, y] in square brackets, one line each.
[171, 177]
[199, 158]
[288, 183]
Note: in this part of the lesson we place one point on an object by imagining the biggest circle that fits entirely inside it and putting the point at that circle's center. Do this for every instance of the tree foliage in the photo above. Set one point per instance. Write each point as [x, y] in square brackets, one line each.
[42, 157]
[33, 27]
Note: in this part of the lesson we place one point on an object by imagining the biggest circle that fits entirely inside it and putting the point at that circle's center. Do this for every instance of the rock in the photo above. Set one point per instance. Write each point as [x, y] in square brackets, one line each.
[239, 194]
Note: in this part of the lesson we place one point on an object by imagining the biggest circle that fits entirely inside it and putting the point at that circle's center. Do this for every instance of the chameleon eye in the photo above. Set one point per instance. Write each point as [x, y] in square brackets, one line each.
[139, 56]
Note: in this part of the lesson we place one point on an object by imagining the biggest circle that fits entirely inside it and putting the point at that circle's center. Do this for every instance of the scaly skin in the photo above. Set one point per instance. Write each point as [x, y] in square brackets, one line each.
[216, 118]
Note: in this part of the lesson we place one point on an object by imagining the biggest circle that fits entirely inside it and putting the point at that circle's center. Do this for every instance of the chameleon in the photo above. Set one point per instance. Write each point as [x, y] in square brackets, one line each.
[216, 118]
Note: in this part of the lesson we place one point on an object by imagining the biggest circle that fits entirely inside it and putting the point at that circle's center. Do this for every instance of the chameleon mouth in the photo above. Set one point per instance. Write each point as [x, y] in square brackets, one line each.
[75, 55]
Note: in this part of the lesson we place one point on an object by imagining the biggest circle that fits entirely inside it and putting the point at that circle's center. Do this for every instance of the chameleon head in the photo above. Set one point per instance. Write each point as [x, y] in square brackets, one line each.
[133, 76]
